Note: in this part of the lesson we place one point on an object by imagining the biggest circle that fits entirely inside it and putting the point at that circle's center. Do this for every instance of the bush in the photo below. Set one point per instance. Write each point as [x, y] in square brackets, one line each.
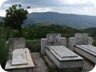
[4, 49]
[33, 45]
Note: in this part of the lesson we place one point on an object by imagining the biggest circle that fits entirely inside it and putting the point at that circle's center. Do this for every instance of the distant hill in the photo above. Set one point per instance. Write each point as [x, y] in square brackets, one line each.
[71, 20]
[1, 18]
[89, 29]
[91, 32]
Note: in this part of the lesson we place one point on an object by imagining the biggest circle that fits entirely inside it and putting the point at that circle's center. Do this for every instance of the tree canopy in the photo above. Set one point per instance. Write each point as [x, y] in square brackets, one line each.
[15, 16]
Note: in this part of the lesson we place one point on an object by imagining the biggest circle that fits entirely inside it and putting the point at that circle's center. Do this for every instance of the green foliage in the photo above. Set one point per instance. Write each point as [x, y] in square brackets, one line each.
[4, 50]
[40, 31]
[15, 16]
[33, 45]
[17, 34]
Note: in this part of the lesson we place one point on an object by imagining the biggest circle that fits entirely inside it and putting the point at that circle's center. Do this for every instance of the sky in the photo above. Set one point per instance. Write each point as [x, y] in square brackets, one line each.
[83, 7]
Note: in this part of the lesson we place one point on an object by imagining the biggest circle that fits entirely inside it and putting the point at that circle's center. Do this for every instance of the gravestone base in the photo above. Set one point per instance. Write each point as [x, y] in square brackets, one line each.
[91, 55]
[52, 65]
[18, 62]
[65, 63]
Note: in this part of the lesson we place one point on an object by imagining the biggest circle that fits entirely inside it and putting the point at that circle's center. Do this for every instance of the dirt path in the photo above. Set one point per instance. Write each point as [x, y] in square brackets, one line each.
[39, 62]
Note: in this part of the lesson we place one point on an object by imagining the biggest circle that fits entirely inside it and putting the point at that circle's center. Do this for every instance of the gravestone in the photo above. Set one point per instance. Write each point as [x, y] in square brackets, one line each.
[64, 58]
[53, 39]
[83, 46]
[21, 61]
[81, 38]
[18, 43]
[63, 52]
[19, 57]
[55, 48]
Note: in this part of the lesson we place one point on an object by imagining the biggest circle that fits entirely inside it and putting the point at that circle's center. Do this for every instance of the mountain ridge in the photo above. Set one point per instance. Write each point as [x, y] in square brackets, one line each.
[71, 20]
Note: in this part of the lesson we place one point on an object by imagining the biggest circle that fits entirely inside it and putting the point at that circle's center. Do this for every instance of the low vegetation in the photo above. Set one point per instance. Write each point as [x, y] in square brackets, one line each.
[4, 49]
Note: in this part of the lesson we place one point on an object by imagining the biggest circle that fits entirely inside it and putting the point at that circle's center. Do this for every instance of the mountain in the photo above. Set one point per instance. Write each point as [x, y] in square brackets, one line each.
[1, 18]
[71, 20]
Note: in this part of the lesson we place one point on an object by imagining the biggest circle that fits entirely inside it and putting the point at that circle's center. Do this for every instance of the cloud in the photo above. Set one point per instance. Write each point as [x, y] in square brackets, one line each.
[33, 3]
[94, 2]
[49, 3]
[62, 6]
[78, 10]
[1, 2]
[46, 9]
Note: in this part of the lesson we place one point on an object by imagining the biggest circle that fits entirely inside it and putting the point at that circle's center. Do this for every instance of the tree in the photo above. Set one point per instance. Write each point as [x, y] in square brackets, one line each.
[15, 16]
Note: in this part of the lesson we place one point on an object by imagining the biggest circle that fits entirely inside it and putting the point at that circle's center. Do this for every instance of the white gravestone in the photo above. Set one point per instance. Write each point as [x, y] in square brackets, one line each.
[53, 39]
[80, 39]
[55, 48]
[21, 61]
[19, 57]
[87, 51]
[83, 46]
[18, 43]
[63, 57]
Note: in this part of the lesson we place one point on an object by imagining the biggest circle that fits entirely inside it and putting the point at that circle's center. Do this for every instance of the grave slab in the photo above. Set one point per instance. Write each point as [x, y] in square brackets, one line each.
[55, 47]
[19, 57]
[63, 57]
[22, 67]
[82, 44]
[88, 51]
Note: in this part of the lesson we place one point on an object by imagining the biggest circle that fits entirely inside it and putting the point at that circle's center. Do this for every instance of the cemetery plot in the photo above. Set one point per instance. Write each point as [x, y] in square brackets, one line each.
[55, 48]
[63, 57]
[82, 44]
[87, 51]
[25, 60]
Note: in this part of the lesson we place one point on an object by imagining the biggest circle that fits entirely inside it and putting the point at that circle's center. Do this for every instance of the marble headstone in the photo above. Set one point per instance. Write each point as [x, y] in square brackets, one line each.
[53, 39]
[19, 43]
[19, 57]
[81, 39]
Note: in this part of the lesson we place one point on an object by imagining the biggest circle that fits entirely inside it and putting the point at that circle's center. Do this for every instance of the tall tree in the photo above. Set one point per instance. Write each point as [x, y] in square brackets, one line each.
[15, 16]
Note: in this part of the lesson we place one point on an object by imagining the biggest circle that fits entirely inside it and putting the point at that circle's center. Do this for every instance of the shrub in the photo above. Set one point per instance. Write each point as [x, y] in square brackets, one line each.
[4, 49]
[33, 45]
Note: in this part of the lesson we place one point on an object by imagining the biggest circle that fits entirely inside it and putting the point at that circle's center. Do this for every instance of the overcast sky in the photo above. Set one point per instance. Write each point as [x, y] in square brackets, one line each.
[84, 7]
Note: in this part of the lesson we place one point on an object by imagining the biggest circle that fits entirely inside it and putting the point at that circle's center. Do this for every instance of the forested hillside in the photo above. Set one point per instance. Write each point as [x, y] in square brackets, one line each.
[38, 31]
[71, 20]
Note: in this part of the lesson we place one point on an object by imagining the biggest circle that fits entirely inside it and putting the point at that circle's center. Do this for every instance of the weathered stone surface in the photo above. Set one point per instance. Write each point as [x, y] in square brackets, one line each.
[86, 51]
[89, 48]
[70, 60]
[53, 39]
[45, 43]
[88, 66]
[82, 44]
[81, 38]
[62, 51]
[19, 57]
[22, 67]
[18, 43]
